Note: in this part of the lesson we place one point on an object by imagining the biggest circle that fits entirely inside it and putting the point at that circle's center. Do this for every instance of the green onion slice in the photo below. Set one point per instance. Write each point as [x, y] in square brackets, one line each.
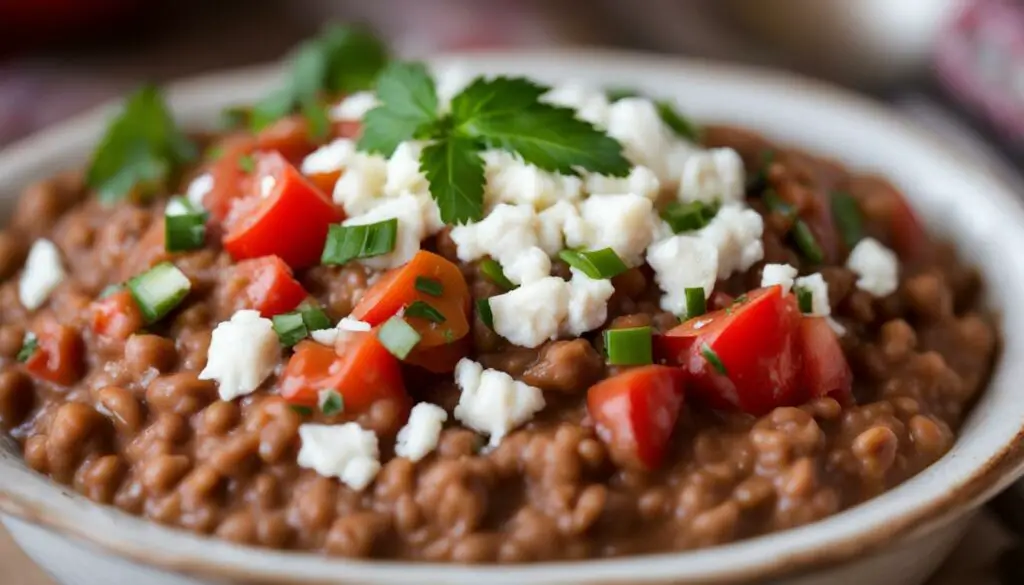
[807, 243]
[29, 346]
[492, 270]
[848, 218]
[314, 318]
[713, 359]
[696, 304]
[597, 264]
[804, 299]
[290, 328]
[687, 217]
[424, 311]
[345, 243]
[302, 410]
[184, 226]
[159, 290]
[483, 309]
[759, 180]
[629, 347]
[398, 337]
[247, 163]
[331, 402]
[429, 286]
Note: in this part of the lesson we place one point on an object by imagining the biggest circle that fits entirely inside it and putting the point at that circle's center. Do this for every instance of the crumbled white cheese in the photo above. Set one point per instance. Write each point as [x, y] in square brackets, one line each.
[641, 181]
[836, 326]
[529, 265]
[714, 175]
[42, 274]
[816, 285]
[198, 189]
[591, 104]
[175, 206]
[588, 303]
[620, 222]
[243, 353]
[876, 266]
[646, 139]
[361, 186]
[347, 452]
[451, 81]
[409, 211]
[736, 232]
[682, 262]
[531, 314]
[346, 325]
[354, 107]
[503, 234]
[493, 403]
[551, 226]
[267, 184]
[330, 158]
[780, 274]
[420, 435]
[403, 172]
[510, 180]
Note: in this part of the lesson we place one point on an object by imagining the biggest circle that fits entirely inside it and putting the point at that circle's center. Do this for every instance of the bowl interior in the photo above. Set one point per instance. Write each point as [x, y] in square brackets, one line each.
[955, 197]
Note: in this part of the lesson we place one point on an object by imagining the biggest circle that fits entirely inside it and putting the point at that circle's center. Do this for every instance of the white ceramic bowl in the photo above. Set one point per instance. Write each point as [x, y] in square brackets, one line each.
[897, 538]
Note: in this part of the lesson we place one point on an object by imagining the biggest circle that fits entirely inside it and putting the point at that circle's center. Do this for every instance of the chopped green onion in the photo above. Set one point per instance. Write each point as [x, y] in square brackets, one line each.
[234, 117]
[807, 243]
[214, 153]
[302, 410]
[430, 286]
[331, 402]
[29, 345]
[184, 226]
[345, 243]
[848, 218]
[290, 328]
[686, 217]
[629, 347]
[740, 299]
[158, 290]
[314, 318]
[423, 310]
[775, 204]
[449, 336]
[804, 299]
[696, 304]
[759, 180]
[483, 309]
[713, 359]
[398, 337]
[247, 163]
[492, 270]
[680, 124]
[597, 264]
[110, 289]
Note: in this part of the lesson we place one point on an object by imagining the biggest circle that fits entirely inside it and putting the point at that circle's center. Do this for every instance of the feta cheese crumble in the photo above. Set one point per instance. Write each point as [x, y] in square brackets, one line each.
[354, 107]
[736, 232]
[530, 265]
[588, 303]
[197, 190]
[623, 223]
[346, 325]
[361, 186]
[403, 171]
[420, 435]
[646, 140]
[243, 353]
[781, 274]
[330, 158]
[591, 104]
[510, 180]
[682, 262]
[531, 314]
[816, 285]
[42, 274]
[876, 266]
[641, 181]
[347, 452]
[713, 175]
[492, 402]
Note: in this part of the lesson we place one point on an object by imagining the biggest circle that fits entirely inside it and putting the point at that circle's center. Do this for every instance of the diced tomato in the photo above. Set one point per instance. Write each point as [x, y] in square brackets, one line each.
[325, 181]
[359, 368]
[116, 316]
[284, 216]
[59, 355]
[635, 413]
[230, 181]
[269, 286]
[719, 300]
[396, 290]
[755, 344]
[908, 236]
[440, 359]
[825, 369]
[288, 136]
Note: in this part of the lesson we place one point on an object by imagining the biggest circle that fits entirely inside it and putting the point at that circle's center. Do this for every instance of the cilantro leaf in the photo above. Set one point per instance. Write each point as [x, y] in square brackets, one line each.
[354, 59]
[455, 170]
[501, 96]
[141, 149]
[408, 108]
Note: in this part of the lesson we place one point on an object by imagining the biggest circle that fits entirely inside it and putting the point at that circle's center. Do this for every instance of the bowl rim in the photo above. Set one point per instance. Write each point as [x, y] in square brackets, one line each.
[36, 499]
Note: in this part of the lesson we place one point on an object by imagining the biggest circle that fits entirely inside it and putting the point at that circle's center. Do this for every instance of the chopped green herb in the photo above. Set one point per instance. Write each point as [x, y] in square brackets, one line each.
[775, 204]
[398, 337]
[301, 410]
[449, 336]
[315, 318]
[759, 180]
[234, 117]
[184, 226]
[159, 290]
[615, 94]
[597, 264]
[740, 299]
[848, 218]
[345, 243]
[408, 108]
[696, 303]
[713, 359]
[680, 124]
[483, 310]
[492, 270]
[214, 153]
[141, 151]
[422, 310]
[290, 328]
[430, 286]
[804, 299]
[29, 346]
[686, 217]
[629, 347]
[247, 163]
[331, 402]
[807, 243]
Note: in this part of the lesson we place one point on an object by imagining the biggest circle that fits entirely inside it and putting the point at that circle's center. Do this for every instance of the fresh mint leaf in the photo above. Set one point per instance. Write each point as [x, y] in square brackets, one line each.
[141, 149]
[455, 171]
[408, 109]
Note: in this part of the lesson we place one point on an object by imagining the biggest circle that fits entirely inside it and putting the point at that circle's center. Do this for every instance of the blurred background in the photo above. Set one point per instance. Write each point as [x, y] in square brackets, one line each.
[954, 66]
